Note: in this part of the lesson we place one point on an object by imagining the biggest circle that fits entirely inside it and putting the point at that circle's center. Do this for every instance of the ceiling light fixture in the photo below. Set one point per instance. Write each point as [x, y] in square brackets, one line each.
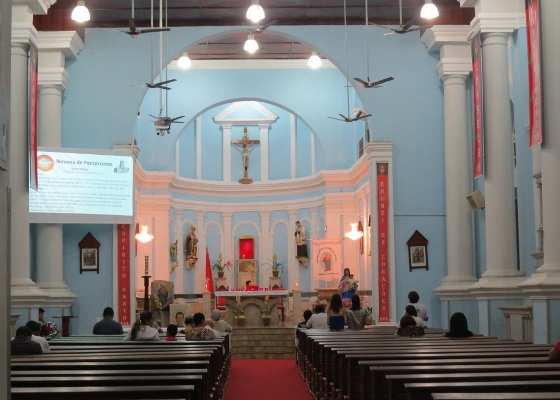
[429, 10]
[354, 233]
[314, 61]
[255, 12]
[184, 62]
[80, 13]
[251, 46]
[144, 236]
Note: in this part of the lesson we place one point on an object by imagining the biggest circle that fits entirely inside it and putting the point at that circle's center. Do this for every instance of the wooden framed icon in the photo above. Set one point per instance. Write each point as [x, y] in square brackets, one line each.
[89, 254]
[417, 251]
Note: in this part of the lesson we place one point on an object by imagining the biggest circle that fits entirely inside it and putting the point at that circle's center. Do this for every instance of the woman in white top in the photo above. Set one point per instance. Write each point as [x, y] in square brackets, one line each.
[411, 311]
[319, 320]
[143, 329]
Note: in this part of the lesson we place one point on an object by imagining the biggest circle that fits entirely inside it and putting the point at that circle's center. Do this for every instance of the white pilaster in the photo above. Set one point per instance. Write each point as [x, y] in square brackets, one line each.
[312, 154]
[23, 289]
[198, 155]
[293, 155]
[265, 244]
[180, 270]
[54, 48]
[501, 263]
[293, 264]
[315, 234]
[200, 273]
[263, 129]
[226, 151]
[454, 67]
[547, 277]
[228, 246]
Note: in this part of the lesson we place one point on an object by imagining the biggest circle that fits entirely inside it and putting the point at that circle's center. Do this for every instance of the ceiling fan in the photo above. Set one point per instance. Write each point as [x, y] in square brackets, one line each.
[368, 83]
[163, 123]
[410, 26]
[134, 31]
[359, 114]
[160, 85]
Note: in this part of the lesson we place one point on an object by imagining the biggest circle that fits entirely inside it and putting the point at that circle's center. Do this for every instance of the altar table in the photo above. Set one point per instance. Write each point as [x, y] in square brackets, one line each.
[255, 308]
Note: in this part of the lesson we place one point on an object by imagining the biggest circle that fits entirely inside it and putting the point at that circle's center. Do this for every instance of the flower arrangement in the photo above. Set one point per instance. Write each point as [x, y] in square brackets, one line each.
[220, 266]
[276, 267]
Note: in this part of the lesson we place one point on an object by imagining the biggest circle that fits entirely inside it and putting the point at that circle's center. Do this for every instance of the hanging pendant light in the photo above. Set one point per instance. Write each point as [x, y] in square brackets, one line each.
[144, 236]
[251, 46]
[80, 13]
[429, 10]
[184, 62]
[255, 12]
[354, 233]
[314, 61]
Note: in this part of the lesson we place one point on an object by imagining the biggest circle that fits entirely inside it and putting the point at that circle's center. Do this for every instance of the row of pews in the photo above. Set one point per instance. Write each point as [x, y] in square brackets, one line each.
[107, 367]
[375, 364]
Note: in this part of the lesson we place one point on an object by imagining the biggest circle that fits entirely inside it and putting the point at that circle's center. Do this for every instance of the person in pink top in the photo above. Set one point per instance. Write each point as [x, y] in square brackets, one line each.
[555, 353]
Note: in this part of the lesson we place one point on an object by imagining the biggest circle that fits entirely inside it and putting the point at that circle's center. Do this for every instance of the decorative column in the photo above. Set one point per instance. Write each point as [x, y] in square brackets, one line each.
[293, 265]
[54, 48]
[200, 274]
[315, 234]
[265, 244]
[263, 129]
[544, 285]
[226, 152]
[24, 291]
[228, 247]
[180, 270]
[454, 67]
[293, 138]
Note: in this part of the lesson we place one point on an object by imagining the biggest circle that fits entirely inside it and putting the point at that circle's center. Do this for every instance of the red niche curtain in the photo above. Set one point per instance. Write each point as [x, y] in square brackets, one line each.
[246, 249]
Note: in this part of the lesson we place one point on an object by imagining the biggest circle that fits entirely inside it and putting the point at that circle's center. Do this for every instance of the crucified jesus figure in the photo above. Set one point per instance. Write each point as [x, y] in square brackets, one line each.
[245, 144]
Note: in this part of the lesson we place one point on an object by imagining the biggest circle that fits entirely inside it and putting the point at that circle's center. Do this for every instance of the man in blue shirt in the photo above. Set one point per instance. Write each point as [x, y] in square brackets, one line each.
[108, 326]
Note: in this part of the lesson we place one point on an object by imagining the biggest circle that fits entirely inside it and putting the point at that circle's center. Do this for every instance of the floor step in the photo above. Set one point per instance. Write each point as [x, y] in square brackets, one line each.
[266, 343]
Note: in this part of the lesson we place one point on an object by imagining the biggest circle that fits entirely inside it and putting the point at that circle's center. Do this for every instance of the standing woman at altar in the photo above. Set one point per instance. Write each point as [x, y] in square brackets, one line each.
[347, 286]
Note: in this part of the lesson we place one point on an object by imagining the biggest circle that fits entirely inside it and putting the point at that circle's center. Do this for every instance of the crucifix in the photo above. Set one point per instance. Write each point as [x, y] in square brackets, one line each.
[244, 144]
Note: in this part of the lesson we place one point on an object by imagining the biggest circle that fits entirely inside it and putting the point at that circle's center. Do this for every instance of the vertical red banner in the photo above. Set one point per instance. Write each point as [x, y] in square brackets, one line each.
[478, 108]
[383, 241]
[123, 270]
[33, 114]
[533, 18]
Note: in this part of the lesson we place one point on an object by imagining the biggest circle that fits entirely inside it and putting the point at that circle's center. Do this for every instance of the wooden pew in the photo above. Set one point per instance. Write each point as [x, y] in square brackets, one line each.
[496, 396]
[182, 392]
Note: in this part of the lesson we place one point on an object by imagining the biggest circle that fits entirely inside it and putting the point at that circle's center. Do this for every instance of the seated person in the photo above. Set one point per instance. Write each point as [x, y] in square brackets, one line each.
[171, 333]
[306, 315]
[319, 319]
[35, 328]
[249, 286]
[108, 326]
[336, 316]
[220, 326]
[413, 298]
[554, 354]
[143, 329]
[458, 326]
[408, 328]
[22, 345]
[180, 319]
[200, 329]
[357, 317]
[411, 310]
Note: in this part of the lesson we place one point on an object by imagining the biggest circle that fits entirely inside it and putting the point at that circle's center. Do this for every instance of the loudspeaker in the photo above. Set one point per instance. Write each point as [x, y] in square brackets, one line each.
[476, 199]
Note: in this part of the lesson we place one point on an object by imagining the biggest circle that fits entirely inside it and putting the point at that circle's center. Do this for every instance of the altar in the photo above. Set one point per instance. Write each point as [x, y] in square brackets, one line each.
[255, 308]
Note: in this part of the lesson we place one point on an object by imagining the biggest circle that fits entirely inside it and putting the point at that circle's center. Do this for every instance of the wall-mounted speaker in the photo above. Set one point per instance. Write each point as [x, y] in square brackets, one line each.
[476, 199]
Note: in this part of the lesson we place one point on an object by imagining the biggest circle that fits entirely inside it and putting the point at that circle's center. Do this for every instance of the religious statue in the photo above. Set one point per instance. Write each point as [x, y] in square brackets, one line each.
[347, 286]
[301, 243]
[191, 248]
[245, 145]
[173, 255]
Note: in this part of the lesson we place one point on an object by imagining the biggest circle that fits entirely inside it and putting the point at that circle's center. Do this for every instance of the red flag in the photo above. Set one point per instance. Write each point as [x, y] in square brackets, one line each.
[209, 281]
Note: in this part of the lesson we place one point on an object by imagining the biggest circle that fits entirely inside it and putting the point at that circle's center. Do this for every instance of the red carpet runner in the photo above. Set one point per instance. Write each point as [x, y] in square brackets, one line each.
[266, 380]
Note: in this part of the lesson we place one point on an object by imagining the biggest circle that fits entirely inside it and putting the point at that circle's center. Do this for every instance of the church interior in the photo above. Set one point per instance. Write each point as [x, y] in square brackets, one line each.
[189, 187]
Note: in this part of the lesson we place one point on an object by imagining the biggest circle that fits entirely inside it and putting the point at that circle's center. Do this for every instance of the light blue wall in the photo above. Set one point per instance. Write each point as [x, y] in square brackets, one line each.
[94, 291]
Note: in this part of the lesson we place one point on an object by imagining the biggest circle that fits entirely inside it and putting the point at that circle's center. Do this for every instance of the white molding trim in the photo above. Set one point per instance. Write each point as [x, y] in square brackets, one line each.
[440, 35]
[245, 222]
[226, 153]
[68, 42]
[223, 118]
[39, 7]
[277, 222]
[253, 64]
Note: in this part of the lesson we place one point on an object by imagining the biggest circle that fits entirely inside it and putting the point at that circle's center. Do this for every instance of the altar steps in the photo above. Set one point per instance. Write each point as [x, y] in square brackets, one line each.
[263, 343]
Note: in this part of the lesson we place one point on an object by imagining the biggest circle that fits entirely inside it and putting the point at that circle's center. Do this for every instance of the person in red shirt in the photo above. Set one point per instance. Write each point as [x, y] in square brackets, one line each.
[171, 333]
[555, 353]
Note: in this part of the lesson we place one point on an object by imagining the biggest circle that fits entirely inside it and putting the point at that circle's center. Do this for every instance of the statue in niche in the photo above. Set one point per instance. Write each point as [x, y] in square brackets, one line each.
[301, 244]
[191, 248]
[244, 144]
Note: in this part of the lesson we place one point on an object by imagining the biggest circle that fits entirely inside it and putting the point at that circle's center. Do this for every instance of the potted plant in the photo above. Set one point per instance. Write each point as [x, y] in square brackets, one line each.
[220, 266]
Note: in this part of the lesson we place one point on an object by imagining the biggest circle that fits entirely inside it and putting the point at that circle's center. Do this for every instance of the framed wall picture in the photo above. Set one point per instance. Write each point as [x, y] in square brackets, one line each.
[417, 251]
[89, 254]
